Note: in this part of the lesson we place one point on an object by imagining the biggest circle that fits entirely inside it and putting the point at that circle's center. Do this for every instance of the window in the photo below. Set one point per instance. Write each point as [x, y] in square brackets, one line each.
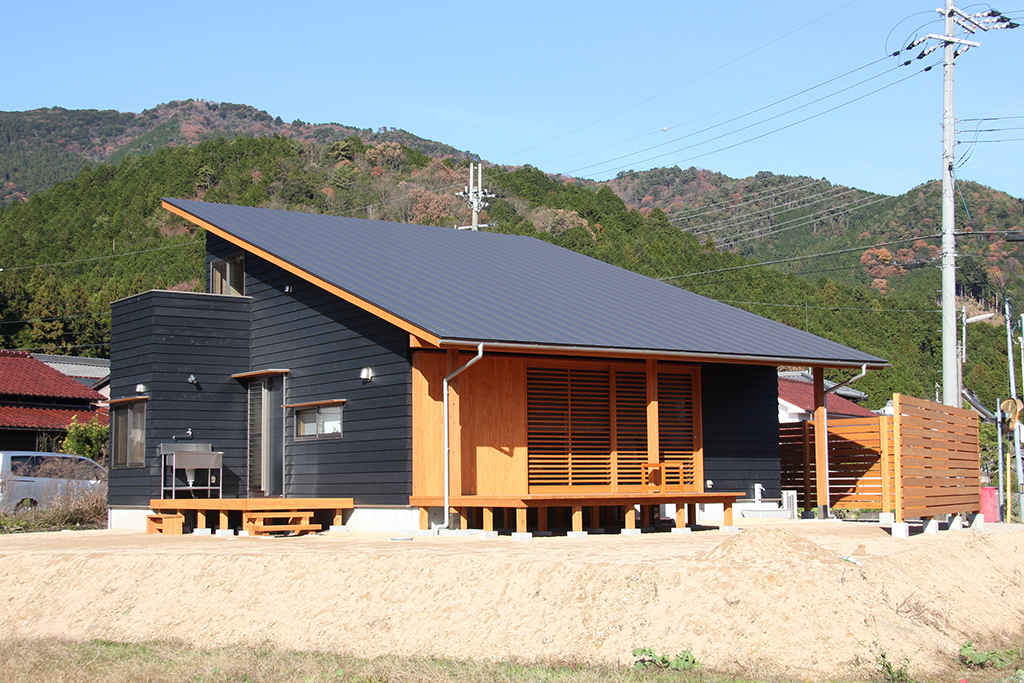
[318, 421]
[228, 276]
[128, 440]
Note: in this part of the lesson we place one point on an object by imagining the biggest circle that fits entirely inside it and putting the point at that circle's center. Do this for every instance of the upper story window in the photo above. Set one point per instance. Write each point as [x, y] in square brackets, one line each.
[228, 276]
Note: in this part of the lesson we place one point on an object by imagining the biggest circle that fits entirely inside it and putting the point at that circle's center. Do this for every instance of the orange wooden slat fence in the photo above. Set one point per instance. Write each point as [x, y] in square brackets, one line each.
[931, 449]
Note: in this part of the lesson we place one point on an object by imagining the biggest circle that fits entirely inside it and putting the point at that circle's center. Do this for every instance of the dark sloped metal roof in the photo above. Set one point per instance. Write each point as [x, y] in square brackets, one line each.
[486, 287]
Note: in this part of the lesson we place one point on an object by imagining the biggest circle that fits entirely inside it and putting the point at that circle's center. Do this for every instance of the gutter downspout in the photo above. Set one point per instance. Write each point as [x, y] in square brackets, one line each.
[863, 373]
[447, 436]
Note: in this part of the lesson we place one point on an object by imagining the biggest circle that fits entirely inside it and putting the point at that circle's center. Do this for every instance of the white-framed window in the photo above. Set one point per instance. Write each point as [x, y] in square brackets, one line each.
[227, 276]
[128, 433]
[318, 420]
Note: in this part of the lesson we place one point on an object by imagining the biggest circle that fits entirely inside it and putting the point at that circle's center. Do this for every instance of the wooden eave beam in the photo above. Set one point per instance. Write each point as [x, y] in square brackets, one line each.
[362, 303]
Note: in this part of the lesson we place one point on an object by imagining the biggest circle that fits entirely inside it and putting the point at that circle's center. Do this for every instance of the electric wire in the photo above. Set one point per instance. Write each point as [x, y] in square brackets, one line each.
[7, 269]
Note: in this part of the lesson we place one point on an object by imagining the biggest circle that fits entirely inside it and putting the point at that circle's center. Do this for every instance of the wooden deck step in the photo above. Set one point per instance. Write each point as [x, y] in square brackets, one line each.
[274, 528]
[168, 524]
[278, 515]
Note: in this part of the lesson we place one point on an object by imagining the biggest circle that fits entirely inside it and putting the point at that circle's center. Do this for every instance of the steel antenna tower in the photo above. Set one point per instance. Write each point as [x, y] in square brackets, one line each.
[953, 48]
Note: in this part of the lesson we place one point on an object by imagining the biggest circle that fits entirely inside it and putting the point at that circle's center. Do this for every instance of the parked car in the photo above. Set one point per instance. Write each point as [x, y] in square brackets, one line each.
[29, 479]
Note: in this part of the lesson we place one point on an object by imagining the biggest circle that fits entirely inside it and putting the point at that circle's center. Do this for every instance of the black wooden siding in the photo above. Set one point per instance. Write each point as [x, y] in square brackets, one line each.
[324, 342]
[741, 427]
[159, 338]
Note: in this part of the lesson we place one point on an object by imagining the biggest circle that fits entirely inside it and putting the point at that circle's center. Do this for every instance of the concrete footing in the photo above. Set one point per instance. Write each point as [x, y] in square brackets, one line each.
[886, 517]
[521, 536]
[681, 530]
[337, 528]
[226, 532]
[576, 534]
[956, 523]
[202, 532]
[931, 526]
[900, 530]
[630, 532]
[487, 534]
[976, 520]
[729, 529]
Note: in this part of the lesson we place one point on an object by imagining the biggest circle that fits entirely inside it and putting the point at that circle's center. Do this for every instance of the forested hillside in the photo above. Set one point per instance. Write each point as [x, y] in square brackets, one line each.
[44, 146]
[70, 250]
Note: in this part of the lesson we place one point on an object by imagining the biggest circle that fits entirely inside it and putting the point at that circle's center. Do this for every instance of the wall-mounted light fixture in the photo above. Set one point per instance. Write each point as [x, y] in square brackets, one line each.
[192, 379]
[366, 374]
[288, 289]
[140, 388]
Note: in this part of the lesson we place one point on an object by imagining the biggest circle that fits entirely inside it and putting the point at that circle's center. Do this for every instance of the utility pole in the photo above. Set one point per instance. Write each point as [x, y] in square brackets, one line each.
[475, 197]
[971, 23]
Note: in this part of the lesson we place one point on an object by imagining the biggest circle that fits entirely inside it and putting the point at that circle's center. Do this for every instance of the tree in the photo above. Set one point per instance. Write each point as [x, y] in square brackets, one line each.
[89, 440]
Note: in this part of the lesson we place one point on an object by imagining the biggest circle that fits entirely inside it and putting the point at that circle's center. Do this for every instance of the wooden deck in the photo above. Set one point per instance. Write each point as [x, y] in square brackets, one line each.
[685, 501]
[260, 516]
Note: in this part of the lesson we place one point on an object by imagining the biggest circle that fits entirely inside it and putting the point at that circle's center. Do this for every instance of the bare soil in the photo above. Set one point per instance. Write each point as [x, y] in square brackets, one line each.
[799, 599]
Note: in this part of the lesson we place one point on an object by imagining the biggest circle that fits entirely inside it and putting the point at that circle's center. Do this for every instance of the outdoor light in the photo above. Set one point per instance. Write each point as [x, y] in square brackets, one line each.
[366, 374]
[192, 379]
[140, 388]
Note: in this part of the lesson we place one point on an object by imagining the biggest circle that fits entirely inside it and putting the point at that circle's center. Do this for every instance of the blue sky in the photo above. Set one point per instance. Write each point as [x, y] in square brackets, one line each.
[573, 87]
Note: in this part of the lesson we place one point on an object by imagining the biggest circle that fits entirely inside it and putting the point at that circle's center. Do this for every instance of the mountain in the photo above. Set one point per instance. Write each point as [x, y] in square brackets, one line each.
[66, 252]
[41, 147]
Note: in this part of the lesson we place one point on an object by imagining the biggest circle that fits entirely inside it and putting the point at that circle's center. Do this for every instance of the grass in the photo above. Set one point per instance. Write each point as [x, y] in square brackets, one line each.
[83, 511]
[102, 661]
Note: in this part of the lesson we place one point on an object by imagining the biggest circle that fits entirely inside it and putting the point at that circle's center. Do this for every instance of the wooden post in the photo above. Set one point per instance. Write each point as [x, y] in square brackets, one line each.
[808, 505]
[595, 517]
[577, 517]
[521, 520]
[200, 519]
[653, 436]
[630, 517]
[542, 519]
[645, 516]
[691, 514]
[424, 518]
[488, 519]
[464, 518]
[897, 454]
[820, 443]
[883, 442]
[222, 520]
[680, 515]
[727, 520]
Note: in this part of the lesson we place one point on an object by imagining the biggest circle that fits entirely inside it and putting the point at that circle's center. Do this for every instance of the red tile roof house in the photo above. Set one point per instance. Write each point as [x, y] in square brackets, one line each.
[37, 403]
[796, 403]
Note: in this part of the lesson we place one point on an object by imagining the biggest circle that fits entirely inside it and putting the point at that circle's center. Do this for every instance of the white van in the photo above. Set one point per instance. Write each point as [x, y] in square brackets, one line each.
[29, 479]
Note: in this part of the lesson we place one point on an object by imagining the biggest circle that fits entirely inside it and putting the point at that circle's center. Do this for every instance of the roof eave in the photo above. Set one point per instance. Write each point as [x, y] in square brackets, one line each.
[555, 349]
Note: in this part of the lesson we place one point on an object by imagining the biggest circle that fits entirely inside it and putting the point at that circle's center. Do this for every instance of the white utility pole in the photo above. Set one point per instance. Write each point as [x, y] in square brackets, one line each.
[970, 23]
[475, 196]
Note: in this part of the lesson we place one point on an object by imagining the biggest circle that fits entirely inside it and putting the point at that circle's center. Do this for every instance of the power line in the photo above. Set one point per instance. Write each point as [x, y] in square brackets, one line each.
[100, 258]
[832, 308]
[800, 258]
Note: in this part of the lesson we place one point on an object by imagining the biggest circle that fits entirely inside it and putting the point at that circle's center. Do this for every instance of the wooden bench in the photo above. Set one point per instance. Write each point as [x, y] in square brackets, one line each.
[169, 524]
[294, 521]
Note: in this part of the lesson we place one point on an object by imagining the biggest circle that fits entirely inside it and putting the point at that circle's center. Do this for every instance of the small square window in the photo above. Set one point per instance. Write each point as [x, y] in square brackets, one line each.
[228, 277]
[322, 421]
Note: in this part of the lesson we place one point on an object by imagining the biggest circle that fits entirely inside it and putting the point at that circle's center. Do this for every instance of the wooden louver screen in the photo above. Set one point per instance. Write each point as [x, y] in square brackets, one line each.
[587, 427]
[256, 435]
[569, 427]
[676, 429]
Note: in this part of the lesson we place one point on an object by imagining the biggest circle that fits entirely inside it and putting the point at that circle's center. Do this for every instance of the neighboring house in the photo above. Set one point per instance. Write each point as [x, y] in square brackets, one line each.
[316, 364]
[92, 372]
[37, 403]
[796, 403]
[847, 392]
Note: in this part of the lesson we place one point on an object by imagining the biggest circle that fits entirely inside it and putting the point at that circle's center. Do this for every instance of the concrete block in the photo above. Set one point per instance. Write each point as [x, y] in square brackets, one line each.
[932, 525]
[576, 534]
[523, 536]
[202, 532]
[808, 514]
[681, 530]
[956, 523]
[337, 528]
[729, 529]
[900, 530]
[976, 520]
[487, 534]
[886, 517]
[243, 532]
[630, 532]
[226, 532]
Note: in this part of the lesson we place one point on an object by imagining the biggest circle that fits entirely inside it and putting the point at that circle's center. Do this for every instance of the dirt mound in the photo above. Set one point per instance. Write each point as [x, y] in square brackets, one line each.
[770, 546]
